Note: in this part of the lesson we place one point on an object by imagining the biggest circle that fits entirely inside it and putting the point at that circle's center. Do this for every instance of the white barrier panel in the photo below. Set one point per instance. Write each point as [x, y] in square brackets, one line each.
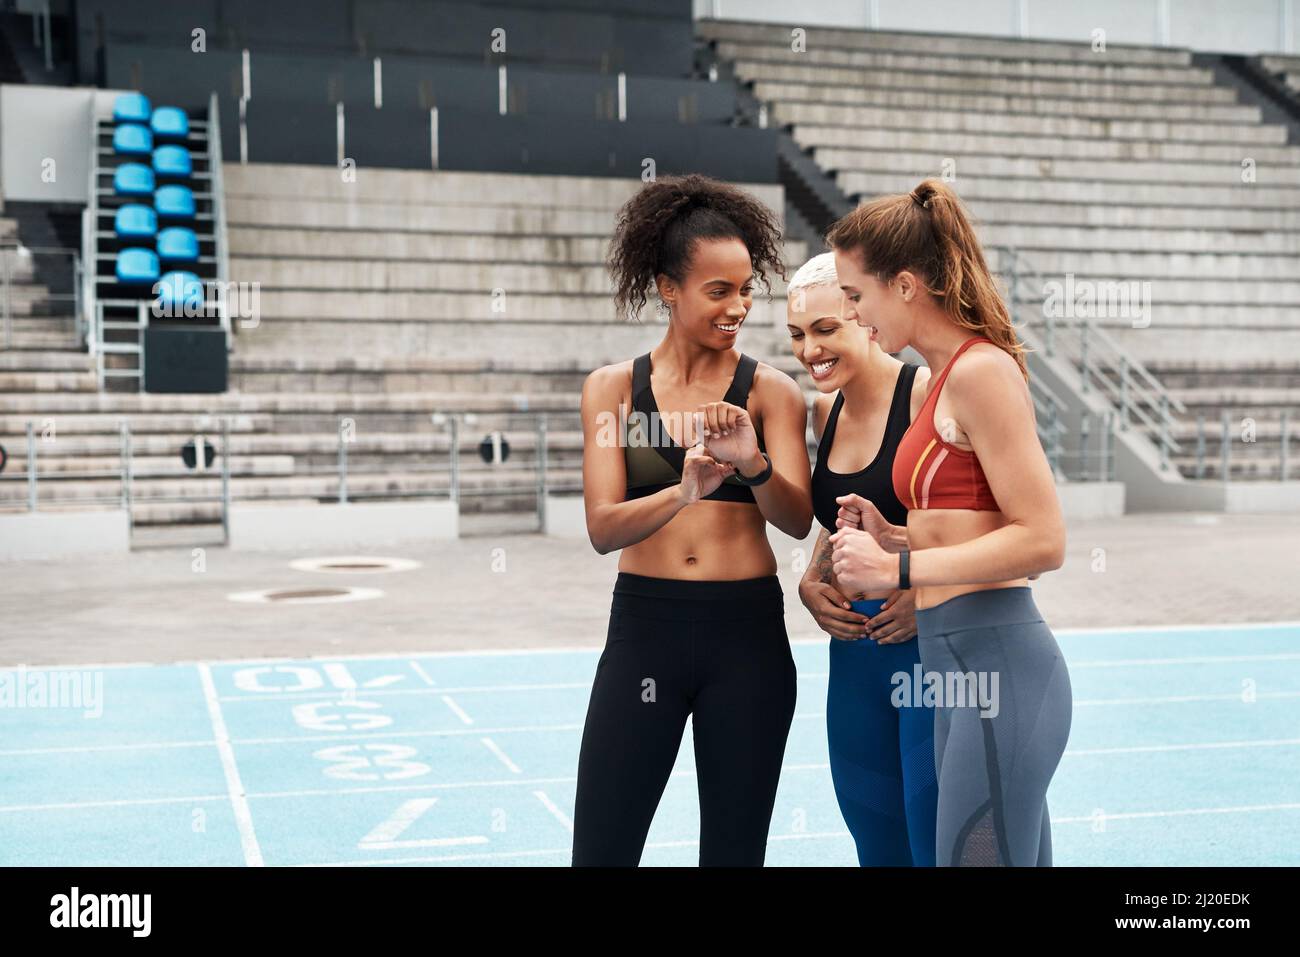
[566, 516]
[31, 535]
[1262, 497]
[1083, 500]
[269, 525]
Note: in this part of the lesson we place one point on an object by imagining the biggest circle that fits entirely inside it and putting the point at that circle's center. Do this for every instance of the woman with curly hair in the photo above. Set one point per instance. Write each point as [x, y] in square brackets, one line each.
[696, 625]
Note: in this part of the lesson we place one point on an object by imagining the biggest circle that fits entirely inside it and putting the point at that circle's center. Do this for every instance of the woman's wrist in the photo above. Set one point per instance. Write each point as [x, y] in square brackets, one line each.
[752, 466]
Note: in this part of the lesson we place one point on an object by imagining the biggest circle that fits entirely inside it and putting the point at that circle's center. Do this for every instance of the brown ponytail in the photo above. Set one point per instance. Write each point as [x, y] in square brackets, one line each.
[928, 232]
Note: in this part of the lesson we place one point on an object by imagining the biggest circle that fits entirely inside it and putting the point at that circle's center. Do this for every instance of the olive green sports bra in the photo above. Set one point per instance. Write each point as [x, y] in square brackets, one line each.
[653, 459]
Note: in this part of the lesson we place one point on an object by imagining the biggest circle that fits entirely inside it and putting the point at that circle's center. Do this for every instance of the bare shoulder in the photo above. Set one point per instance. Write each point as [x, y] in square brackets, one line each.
[776, 386]
[986, 371]
[612, 379]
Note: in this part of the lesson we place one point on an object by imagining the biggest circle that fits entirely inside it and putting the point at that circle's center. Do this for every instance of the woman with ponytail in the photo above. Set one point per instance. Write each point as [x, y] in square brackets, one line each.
[983, 518]
[696, 626]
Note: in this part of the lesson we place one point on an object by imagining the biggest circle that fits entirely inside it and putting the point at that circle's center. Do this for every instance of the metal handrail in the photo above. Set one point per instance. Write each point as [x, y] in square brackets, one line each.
[1138, 395]
[218, 189]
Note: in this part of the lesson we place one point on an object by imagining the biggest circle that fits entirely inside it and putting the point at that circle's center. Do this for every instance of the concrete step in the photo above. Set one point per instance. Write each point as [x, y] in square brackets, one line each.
[1176, 219]
[255, 243]
[43, 341]
[285, 403]
[48, 382]
[1276, 372]
[868, 117]
[1077, 190]
[1117, 172]
[1163, 317]
[760, 71]
[66, 467]
[425, 187]
[46, 361]
[409, 374]
[1240, 398]
[1209, 240]
[319, 213]
[1110, 108]
[14, 424]
[1239, 469]
[1156, 267]
[191, 488]
[1210, 342]
[878, 144]
[776, 34]
[392, 277]
[873, 61]
[468, 309]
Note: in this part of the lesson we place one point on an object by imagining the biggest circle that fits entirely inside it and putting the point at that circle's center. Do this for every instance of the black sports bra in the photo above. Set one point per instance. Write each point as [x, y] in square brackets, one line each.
[652, 458]
[875, 483]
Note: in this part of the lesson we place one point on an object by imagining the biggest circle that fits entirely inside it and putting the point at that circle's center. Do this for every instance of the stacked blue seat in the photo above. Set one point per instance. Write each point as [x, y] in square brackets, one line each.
[132, 108]
[133, 179]
[180, 289]
[141, 130]
[169, 123]
[177, 244]
[174, 202]
[135, 221]
[172, 161]
[137, 267]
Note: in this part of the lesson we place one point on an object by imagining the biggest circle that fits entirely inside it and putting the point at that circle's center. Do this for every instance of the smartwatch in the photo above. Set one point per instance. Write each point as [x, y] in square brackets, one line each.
[758, 479]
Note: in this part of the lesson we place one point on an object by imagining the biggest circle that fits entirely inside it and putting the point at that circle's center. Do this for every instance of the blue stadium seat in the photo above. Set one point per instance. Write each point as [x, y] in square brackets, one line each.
[132, 139]
[174, 202]
[176, 244]
[137, 266]
[170, 123]
[132, 108]
[133, 179]
[135, 221]
[178, 289]
[172, 161]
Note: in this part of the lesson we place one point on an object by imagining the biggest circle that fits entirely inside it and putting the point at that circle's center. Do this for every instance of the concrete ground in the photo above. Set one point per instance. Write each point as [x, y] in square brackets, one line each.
[530, 591]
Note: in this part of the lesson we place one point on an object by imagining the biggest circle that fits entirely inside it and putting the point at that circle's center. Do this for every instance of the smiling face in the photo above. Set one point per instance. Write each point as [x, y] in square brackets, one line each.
[831, 348]
[882, 308]
[716, 293]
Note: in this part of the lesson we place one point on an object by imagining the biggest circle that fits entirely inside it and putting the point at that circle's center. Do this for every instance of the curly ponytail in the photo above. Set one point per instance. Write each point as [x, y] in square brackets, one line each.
[928, 232]
[657, 229]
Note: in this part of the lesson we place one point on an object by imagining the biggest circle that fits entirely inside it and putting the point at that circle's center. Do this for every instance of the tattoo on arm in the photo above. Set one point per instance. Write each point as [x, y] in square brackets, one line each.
[822, 557]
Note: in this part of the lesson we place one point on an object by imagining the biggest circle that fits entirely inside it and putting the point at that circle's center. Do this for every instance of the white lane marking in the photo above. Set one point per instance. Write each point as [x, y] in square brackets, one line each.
[492, 746]
[465, 689]
[457, 709]
[1193, 660]
[554, 809]
[595, 649]
[125, 802]
[424, 675]
[238, 797]
[1199, 746]
[384, 836]
[1136, 815]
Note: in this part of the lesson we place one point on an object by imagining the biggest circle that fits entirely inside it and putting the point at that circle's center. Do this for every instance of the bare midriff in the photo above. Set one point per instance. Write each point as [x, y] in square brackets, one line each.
[706, 541]
[937, 527]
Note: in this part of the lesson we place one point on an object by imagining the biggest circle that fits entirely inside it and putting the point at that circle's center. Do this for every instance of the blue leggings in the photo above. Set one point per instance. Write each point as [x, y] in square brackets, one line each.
[882, 757]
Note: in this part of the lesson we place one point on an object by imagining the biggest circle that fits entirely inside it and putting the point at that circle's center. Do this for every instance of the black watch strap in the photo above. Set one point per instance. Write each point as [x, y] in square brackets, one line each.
[761, 477]
[904, 570]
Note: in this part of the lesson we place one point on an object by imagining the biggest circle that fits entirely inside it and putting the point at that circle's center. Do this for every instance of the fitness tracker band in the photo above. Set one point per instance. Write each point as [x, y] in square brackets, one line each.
[904, 570]
[761, 477]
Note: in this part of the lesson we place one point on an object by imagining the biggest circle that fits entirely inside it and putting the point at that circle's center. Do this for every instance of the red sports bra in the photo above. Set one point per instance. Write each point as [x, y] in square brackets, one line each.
[930, 473]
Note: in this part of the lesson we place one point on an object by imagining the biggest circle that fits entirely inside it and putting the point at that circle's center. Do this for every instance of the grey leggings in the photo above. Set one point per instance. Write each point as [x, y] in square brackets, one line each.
[1001, 724]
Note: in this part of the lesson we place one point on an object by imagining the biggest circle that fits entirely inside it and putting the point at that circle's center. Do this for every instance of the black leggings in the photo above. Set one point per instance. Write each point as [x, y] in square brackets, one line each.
[716, 650]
